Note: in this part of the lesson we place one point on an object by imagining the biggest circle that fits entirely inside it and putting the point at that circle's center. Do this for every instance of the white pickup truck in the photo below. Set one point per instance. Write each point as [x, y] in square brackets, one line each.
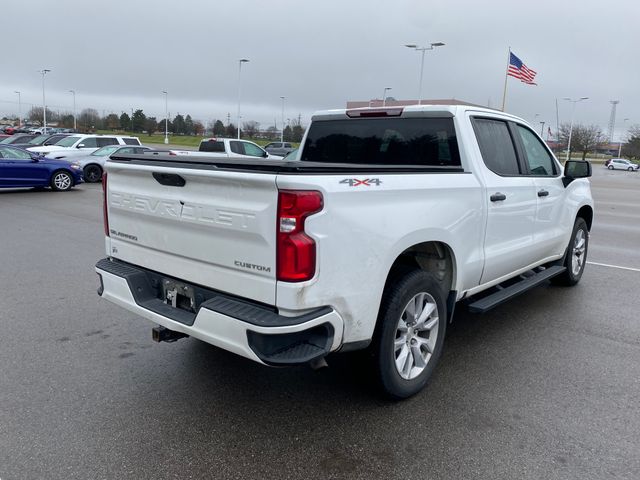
[227, 147]
[383, 222]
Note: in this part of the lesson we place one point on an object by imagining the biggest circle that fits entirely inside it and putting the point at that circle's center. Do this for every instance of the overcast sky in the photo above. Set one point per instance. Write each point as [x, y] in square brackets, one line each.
[119, 55]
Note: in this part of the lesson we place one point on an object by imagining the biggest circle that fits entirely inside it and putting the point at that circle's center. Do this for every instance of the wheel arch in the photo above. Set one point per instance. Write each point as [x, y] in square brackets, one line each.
[586, 212]
[434, 256]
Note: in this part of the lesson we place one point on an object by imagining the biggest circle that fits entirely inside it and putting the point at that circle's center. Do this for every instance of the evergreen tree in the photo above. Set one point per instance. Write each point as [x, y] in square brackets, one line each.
[219, 129]
[138, 120]
[188, 125]
[125, 121]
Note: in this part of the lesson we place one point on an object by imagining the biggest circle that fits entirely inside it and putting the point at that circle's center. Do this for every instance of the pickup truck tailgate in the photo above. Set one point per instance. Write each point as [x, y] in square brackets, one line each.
[203, 226]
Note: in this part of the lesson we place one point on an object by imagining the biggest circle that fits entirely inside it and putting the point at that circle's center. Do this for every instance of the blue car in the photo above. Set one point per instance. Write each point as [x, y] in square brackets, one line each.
[20, 168]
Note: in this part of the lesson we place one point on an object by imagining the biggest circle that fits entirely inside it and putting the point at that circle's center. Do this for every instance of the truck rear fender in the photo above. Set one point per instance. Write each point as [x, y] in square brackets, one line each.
[433, 256]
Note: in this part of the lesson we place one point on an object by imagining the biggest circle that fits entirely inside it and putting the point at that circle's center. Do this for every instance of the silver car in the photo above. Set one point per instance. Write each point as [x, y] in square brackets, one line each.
[621, 164]
[279, 148]
[93, 164]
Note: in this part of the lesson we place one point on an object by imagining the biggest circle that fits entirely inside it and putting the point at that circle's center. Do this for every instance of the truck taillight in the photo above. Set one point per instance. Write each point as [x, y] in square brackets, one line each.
[105, 214]
[296, 251]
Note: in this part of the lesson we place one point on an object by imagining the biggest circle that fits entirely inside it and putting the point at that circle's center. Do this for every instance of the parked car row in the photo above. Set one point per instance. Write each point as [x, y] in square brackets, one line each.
[11, 130]
[59, 161]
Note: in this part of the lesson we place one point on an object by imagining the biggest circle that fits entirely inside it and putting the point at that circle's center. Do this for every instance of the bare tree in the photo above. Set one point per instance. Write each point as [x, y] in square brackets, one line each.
[584, 138]
[632, 147]
[89, 119]
[251, 128]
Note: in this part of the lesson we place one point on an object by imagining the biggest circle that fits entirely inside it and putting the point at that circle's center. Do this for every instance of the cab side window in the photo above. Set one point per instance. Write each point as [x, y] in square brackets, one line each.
[538, 158]
[496, 146]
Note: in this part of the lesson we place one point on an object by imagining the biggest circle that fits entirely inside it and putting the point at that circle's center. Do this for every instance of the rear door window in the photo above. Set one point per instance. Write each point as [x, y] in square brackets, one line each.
[131, 141]
[496, 146]
[383, 141]
[237, 147]
[104, 141]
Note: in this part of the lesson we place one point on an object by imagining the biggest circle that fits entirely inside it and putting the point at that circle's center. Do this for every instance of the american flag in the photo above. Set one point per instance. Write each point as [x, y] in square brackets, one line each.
[520, 70]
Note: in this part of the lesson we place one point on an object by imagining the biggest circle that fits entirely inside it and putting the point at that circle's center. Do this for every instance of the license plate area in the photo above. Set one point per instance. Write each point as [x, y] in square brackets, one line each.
[179, 295]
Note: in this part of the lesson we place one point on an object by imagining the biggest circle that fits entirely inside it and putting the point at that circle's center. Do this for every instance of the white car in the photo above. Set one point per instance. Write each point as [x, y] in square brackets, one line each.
[93, 164]
[622, 164]
[80, 145]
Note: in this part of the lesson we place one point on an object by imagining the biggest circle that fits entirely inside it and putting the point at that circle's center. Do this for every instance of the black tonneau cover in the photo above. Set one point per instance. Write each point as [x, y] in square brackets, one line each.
[292, 167]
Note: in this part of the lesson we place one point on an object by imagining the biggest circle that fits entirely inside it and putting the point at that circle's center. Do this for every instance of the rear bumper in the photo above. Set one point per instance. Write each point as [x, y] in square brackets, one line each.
[248, 329]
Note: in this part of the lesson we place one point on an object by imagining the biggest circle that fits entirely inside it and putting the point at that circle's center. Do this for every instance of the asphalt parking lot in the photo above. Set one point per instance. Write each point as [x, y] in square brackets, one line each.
[544, 387]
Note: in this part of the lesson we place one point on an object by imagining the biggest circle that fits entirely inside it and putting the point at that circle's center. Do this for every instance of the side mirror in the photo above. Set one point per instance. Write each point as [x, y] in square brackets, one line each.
[80, 146]
[35, 158]
[575, 169]
[265, 154]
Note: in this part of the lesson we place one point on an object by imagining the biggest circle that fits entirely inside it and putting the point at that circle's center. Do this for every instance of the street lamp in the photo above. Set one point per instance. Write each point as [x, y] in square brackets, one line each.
[620, 146]
[166, 117]
[43, 72]
[19, 109]
[240, 62]
[423, 49]
[73, 92]
[282, 130]
[384, 96]
[573, 109]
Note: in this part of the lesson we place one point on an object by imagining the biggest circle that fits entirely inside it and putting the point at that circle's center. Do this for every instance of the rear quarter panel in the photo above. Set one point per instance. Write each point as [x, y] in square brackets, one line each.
[363, 229]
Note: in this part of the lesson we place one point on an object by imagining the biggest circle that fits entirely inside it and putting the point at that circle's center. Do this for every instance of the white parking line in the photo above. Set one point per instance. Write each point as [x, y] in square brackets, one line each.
[614, 266]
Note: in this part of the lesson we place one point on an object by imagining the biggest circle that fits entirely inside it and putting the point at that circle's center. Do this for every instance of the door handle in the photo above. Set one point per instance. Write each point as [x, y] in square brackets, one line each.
[497, 197]
[543, 193]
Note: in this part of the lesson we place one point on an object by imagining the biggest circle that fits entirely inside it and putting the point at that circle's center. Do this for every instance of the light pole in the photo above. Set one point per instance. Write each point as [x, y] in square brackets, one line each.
[166, 117]
[573, 109]
[240, 62]
[620, 146]
[73, 92]
[43, 72]
[282, 130]
[384, 96]
[423, 49]
[19, 109]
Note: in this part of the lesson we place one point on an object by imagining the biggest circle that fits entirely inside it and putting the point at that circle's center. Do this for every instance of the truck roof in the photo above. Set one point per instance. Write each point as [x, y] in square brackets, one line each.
[407, 111]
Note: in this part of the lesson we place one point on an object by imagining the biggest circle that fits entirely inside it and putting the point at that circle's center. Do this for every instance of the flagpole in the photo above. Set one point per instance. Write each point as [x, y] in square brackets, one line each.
[504, 93]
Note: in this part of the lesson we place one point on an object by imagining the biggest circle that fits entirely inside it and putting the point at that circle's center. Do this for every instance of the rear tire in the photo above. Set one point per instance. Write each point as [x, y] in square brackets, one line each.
[61, 181]
[576, 255]
[92, 173]
[610, 167]
[409, 334]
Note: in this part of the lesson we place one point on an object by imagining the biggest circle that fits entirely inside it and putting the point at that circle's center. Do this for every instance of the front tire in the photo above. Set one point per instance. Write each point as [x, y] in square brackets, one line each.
[410, 333]
[576, 255]
[61, 181]
[92, 173]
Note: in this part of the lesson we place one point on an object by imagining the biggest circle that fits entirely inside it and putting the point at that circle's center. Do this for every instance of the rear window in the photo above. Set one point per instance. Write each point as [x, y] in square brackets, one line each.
[131, 141]
[383, 141]
[211, 146]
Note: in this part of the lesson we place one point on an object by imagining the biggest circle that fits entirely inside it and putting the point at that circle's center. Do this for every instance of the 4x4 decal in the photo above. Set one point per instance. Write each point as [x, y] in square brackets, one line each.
[367, 182]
